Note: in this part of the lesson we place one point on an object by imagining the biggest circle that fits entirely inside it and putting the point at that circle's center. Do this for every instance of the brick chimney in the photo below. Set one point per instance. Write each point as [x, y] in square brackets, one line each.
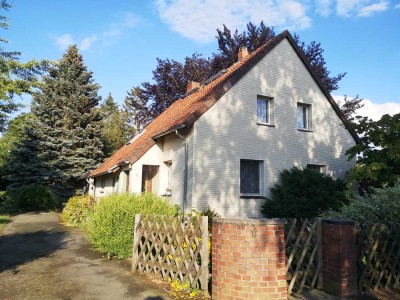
[242, 53]
[192, 85]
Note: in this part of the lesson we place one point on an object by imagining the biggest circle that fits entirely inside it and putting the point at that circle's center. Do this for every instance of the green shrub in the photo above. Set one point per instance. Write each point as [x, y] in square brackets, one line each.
[76, 211]
[30, 198]
[110, 226]
[304, 193]
[381, 206]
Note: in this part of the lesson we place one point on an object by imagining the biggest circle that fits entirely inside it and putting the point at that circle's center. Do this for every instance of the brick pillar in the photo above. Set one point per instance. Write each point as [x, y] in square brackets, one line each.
[339, 257]
[248, 259]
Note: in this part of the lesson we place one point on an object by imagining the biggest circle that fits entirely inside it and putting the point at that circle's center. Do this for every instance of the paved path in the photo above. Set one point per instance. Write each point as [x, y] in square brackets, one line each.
[42, 259]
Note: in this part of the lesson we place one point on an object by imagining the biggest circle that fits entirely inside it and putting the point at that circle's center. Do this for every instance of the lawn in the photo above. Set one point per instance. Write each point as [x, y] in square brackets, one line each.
[4, 219]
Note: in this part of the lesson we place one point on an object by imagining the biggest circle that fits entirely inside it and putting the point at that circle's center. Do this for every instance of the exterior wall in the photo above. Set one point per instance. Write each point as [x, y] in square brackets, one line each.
[228, 132]
[99, 191]
[169, 155]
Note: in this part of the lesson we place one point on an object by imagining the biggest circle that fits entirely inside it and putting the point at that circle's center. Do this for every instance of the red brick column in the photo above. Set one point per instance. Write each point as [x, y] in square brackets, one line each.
[248, 259]
[339, 257]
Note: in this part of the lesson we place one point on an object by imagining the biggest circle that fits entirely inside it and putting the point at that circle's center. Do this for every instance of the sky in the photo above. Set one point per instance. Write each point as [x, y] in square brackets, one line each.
[121, 39]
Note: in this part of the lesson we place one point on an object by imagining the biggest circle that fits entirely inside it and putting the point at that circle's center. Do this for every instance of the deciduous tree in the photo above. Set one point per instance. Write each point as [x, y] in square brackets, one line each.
[378, 153]
[16, 77]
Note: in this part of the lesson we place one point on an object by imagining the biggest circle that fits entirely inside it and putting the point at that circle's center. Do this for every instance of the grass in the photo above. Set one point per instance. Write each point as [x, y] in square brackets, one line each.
[4, 219]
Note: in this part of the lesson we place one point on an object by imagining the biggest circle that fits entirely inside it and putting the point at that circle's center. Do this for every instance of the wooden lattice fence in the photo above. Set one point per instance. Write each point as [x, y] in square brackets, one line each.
[172, 248]
[379, 257]
[303, 244]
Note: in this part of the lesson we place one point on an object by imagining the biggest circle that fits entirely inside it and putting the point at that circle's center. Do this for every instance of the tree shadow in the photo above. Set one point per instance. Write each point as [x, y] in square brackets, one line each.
[18, 249]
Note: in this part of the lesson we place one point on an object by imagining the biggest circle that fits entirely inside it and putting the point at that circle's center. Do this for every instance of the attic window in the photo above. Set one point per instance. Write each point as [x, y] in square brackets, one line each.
[264, 110]
[303, 116]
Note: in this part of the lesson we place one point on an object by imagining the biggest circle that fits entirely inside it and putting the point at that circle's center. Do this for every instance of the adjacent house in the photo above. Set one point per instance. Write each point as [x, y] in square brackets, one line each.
[225, 142]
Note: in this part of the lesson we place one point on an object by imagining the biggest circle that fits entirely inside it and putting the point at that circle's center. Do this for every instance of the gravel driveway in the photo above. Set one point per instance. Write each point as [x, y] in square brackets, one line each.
[42, 259]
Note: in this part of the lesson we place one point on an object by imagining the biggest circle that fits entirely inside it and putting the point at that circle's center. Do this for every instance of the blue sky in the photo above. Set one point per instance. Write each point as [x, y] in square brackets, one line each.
[121, 39]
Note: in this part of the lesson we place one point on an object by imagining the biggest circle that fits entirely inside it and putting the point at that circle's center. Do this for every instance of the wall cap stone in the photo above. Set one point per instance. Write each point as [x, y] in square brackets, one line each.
[338, 221]
[250, 221]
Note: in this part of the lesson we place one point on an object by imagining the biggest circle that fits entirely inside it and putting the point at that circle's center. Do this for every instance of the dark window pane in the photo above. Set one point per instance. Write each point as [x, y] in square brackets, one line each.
[249, 177]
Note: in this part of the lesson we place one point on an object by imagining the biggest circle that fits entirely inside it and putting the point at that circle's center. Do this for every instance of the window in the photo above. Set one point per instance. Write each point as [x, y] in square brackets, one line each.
[318, 168]
[103, 183]
[303, 116]
[264, 110]
[251, 173]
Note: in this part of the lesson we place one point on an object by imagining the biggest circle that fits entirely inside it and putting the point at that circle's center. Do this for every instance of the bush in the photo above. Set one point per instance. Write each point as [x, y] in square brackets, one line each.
[304, 193]
[30, 198]
[76, 211]
[381, 206]
[110, 227]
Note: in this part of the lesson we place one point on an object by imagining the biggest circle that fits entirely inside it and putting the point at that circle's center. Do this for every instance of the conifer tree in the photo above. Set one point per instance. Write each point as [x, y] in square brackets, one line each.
[116, 130]
[63, 139]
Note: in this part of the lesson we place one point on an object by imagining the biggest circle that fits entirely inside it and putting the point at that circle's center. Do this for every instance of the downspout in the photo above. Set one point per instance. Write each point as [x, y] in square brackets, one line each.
[184, 202]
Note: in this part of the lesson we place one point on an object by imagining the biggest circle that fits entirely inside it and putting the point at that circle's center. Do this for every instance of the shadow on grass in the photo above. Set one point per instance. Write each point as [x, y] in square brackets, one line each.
[18, 249]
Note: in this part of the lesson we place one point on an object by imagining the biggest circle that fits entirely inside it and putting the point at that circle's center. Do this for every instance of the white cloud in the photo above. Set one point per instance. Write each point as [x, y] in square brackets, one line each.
[360, 8]
[366, 11]
[198, 19]
[397, 6]
[87, 42]
[324, 7]
[128, 21]
[376, 110]
[373, 110]
[63, 41]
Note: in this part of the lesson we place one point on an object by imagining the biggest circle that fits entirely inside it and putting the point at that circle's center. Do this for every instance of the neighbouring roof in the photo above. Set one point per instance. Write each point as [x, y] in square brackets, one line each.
[184, 112]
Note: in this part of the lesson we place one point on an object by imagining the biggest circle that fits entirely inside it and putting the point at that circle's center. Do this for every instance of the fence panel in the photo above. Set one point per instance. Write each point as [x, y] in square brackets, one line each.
[379, 259]
[303, 254]
[172, 248]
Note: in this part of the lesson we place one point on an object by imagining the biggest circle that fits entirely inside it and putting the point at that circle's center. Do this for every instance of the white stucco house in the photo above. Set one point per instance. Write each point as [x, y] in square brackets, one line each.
[224, 143]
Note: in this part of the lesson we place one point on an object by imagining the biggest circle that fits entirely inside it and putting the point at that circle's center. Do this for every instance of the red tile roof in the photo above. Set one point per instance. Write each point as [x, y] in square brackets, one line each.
[184, 112]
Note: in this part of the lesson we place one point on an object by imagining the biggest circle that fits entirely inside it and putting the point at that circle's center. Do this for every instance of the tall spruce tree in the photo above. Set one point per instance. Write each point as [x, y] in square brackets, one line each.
[63, 140]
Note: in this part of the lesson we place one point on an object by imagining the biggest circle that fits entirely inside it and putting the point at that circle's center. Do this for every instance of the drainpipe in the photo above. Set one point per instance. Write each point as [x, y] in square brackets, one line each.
[184, 202]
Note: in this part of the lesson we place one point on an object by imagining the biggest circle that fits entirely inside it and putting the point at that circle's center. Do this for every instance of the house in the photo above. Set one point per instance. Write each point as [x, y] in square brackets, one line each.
[226, 141]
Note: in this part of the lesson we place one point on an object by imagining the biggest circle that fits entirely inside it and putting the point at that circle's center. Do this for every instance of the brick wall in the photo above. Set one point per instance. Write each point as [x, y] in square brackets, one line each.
[339, 255]
[248, 259]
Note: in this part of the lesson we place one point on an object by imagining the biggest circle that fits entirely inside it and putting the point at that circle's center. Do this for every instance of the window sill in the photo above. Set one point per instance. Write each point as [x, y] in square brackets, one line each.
[265, 124]
[252, 197]
[304, 130]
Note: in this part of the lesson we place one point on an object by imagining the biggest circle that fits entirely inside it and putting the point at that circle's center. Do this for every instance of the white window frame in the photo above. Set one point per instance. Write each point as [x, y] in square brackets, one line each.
[270, 110]
[306, 109]
[261, 178]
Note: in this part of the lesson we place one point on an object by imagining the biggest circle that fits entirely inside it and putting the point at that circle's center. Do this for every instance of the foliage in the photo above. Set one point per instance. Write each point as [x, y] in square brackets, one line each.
[30, 198]
[178, 288]
[76, 211]
[172, 77]
[116, 130]
[378, 153]
[63, 138]
[349, 106]
[110, 227]
[16, 77]
[4, 219]
[15, 132]
[381, 206]
[170, 81]
[304, 193]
